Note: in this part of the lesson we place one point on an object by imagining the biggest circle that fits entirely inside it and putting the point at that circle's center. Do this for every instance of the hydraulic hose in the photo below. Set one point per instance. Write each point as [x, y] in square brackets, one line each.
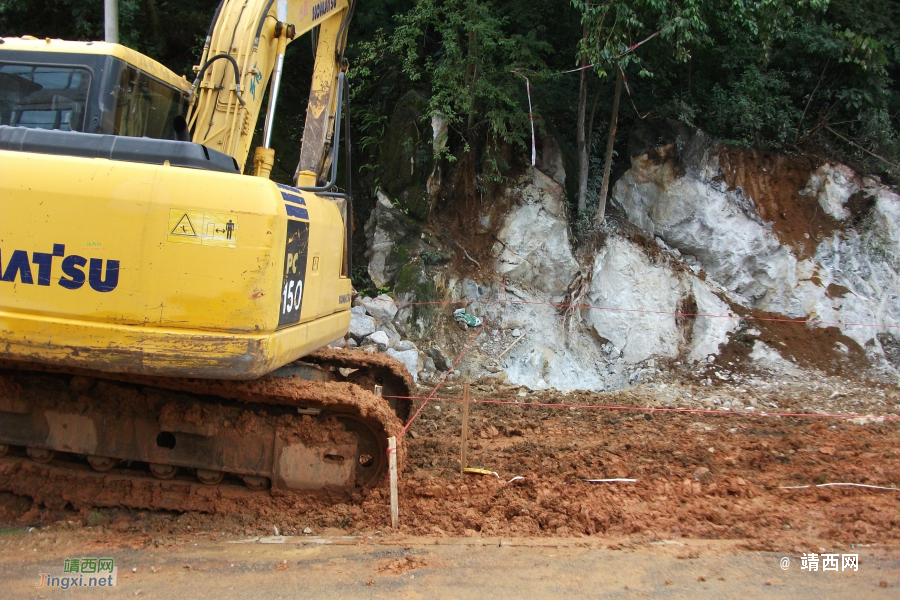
[237, 76]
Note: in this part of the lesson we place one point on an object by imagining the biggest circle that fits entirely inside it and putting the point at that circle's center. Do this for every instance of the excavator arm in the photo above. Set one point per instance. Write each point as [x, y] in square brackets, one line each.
[243, 56]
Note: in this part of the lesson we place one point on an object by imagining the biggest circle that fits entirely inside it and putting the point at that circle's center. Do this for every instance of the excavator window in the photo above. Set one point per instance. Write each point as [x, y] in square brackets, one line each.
[146, 107]
[87, 93]
[72, 104]
[43, 97]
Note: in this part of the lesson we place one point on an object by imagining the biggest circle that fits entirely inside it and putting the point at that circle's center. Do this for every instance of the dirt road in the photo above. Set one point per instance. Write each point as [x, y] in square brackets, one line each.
[195, 567]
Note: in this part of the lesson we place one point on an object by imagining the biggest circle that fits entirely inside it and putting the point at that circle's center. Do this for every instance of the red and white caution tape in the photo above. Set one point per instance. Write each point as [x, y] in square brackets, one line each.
[649, 409]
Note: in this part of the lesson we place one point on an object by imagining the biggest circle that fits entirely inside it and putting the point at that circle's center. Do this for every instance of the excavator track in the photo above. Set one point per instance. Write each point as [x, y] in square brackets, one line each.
[86, 438]
[371, 369]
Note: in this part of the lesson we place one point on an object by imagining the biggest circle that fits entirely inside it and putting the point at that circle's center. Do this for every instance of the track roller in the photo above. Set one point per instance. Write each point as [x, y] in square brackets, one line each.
[210, 477]
[40, 455]
[102, 463]
[163, 471]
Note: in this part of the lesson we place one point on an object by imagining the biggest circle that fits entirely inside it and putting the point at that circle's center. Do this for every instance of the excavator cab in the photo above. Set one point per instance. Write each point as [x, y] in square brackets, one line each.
[88, 87]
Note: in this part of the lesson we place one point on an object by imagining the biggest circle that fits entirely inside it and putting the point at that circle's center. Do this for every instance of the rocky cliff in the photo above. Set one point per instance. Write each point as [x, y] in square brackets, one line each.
[708, 253]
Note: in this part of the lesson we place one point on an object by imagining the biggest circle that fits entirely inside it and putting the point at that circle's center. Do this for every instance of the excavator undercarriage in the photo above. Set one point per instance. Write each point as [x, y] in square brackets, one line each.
[151, 442]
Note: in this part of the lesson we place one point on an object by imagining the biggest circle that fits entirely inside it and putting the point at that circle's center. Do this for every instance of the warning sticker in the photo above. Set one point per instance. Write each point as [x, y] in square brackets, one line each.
[202, 227]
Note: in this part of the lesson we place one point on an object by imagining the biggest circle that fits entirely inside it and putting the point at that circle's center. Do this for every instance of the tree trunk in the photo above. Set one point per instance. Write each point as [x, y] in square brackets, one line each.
[581, 138]
[472, 77]
[590, 123]
[614, 122]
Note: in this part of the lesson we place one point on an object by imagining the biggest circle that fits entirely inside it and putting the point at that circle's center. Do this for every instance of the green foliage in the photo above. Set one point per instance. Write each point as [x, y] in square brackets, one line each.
[779, 71]
[766, 73]
[363, 284]
[614, 26]
[460, 50]
[763, 73]
[170, 31]
[755, 110]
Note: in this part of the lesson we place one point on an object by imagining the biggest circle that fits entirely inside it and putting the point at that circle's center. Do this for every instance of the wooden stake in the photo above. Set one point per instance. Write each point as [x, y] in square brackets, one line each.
[392, 468]
[464, 442]
[508, 348]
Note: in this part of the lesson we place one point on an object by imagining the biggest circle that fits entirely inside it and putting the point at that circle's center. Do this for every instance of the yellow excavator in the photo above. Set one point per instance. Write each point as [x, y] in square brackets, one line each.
[164, 318]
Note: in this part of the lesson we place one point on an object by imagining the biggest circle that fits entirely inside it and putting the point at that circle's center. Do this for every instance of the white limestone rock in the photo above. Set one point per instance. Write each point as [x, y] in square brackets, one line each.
[533, 245]
[380, 339]
[551, 358]
[404, 345]
[409, 358]
[390, 331]
[720, 229]
[832, 185]
[695, 213]
[709, 331]
[361, 326]
[625, 281]
[768, 358]
[382, 308]
[383, 229]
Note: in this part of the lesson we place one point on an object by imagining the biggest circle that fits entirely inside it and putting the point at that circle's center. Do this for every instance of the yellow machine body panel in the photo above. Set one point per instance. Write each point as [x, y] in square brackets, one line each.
[163, 270]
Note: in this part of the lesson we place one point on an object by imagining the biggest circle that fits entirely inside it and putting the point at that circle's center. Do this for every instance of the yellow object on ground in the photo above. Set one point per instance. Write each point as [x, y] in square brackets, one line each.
[480, 472]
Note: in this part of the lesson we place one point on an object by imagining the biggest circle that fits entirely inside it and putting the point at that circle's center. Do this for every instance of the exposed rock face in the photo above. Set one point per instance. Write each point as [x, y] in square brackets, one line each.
[832, 185]
[406, 162]
[533, 247]
[720, 229]
[439, 142]
[694, 212]
[640, 299]
[699, 241]
[384, 229]
[865, 262]
[624, 280]
[709, 332]
[550, 159]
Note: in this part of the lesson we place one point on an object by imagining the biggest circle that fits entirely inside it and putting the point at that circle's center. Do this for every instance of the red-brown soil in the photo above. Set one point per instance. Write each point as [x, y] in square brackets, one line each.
[774, 182]
[698, 475]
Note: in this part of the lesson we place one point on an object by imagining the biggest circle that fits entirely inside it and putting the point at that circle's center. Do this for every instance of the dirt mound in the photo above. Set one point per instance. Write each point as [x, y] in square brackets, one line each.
[825, 349]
